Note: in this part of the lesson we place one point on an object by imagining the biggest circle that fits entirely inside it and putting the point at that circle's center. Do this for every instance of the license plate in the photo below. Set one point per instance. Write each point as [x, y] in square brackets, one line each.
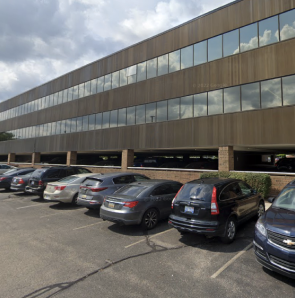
[189, 209]
[46, 197]
[111, 205]
[83, 196]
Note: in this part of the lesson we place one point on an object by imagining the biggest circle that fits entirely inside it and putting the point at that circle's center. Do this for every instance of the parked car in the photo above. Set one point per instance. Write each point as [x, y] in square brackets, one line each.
[41, 177]
[65, 190]
[5, 168]
[274, 239]
[20, 182]
[95, 188]
[142, 203]
[6, 178]
[215, 207]
[286, 165]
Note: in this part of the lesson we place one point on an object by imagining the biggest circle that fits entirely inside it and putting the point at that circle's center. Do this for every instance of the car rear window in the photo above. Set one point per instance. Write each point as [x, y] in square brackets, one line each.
[131, 190]
[68, 179]
[197, 191]
[92, 182]
[38, 173]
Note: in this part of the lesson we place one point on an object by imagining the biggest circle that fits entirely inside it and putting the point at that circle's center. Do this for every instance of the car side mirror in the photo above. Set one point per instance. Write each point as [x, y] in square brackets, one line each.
[271, 199]
[254, 191]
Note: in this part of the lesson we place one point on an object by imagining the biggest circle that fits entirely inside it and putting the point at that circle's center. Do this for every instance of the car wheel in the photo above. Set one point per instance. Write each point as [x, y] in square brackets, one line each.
[150, 219]
[230, 231]
[75, 200]
[261, 209]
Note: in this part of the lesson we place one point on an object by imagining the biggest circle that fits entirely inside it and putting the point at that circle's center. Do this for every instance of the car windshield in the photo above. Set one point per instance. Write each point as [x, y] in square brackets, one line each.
[131, 190]
[286, 199]
[68, 179]
[11, 172]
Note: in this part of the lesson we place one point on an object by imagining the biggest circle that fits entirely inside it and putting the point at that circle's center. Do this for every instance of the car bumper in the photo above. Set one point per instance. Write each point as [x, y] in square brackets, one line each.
[120, 216]
[56, 198]
[17, 188]
[273, 257]
[91, 204]
[204, 228]
[34, 191]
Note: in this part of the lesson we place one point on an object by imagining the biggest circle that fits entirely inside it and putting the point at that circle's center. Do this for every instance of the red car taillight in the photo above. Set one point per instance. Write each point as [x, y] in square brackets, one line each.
[3, 178]
[214, 205]
[40, 183]
[98, 189]
[130, 204]
[176, 196]
[20, 181]
[59, 187]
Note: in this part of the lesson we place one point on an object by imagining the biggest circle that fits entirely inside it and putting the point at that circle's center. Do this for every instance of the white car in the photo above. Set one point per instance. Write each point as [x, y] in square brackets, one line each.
[65, 190]
[5, 168]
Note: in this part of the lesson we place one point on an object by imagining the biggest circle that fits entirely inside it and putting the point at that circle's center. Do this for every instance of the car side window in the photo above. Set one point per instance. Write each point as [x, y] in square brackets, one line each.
[82, 171]
[54, 174]
[245, 188]
[69, 172]
[230, 192]
[162, 190]
[123, 179]
[176, 187]
[140, 178]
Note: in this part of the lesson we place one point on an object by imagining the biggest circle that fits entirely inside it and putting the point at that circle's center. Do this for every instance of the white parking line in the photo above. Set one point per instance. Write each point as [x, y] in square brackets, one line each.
[150, 238]
[29, 206]
[231, 261]
[88, 226]
[61, 212]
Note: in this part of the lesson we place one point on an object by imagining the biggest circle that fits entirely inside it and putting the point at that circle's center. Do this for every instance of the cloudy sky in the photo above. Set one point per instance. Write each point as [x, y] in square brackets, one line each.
[44, 39]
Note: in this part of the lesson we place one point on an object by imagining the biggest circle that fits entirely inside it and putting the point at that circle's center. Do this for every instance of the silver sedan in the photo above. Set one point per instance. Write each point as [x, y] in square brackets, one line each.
[65, 190]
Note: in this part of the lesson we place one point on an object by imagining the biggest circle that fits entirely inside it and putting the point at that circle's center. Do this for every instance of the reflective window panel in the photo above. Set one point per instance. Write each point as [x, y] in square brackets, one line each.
[173, 109]
[162, 111]
[70, 93]
[60, 97]
[232, 101]
[250, 96]
[174, 61]
[268, 31]
[231, 43]
[122, 117]
[200, 52]
[115, 79]
[63, 127]
[65, 95]
[131, 74]
[141, 71]
[151, 68]
[75, 91]
[123, 77]
[130, 116]
[98, 121]
[200, 104]
[215, 102]
[107, 82]
[105, 119]
[67, 126]
[215, 48]
[248, 37]
[81, 90]
[85, 123]
[79, 124]
[100, 84]
[73, 124]
[114, 118]
[93, 86]
[163, 65]
[150, 112]
[287, 24]
[87, 88]
[55, 99]
[187, 57]
[289, 90]
[271, 93]
[91, 120]
[140, 114]
[58, 128]
[186, 107]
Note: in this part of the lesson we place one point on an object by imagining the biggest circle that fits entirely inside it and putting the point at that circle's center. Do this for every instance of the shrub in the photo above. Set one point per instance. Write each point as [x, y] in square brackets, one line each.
[260, 182]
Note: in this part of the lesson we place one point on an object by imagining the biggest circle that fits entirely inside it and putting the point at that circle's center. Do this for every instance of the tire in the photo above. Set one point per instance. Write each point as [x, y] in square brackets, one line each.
[261, 209]
[230, 231]
[74, 200]
[150, 219]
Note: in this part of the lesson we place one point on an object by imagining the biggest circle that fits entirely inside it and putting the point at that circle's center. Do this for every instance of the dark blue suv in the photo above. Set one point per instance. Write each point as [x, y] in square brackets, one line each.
[274, 240]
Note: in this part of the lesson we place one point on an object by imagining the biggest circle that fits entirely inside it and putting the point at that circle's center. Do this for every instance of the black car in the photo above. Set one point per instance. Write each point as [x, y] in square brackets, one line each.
[274, 240]
[19, 183]
[41, 177]
[6, 178]
[286, 165]
[214, 207]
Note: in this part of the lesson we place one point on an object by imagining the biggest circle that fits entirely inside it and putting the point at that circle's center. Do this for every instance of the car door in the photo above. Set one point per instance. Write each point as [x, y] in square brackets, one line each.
[249, 198]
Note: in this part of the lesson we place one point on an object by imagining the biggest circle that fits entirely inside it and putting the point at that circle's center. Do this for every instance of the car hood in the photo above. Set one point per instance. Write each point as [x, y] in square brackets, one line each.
[280, 221]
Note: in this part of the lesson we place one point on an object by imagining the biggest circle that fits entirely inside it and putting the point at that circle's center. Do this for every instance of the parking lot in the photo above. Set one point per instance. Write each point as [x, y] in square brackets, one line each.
[55, 250]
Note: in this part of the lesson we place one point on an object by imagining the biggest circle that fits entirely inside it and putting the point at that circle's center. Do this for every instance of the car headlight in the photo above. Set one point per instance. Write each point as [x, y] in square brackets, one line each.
[260, 227]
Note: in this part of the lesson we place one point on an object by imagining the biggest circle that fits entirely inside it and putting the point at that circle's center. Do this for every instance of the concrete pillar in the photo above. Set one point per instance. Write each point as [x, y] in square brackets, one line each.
[226, 159]
[36, 158]
[11, 158]
[127, 159]
[71, 158]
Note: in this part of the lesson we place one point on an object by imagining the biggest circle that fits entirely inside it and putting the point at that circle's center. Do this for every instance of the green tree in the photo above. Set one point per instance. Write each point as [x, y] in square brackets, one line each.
[5, 136]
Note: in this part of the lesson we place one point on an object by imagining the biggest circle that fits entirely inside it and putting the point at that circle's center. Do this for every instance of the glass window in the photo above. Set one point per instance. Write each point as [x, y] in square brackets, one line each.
[215, 48]
[107, 82]
[115, 79]
[268, 31]
[123, 77]
[200, 104]
[55, 98]
[70, 93]
[53, 128]
[122, 117]
[98, 121]
[289, 90]
[250, 96]
[85, 123]
[271, 93]
[248, 37]
[100, 84]
[75, 91]
[65, 95]
[93, 86]
[150, 112]
[200, 52]
[87, 88]
[186, 107]
[131, 116]
[173, 109]
[105, 119]
[162, 111]
[73, 124]
[58, 128]
[232, 99]
[91, 119]
[163, 65]
[287, 24]
[79, 123]
[231, 43]
[49, 101]
[140, 114]
[65, 128]
[215, 104]
[152, 68]
[187, 57]
[174, 61]
[141, 71]
[60, 99]
[131, 74]
[114, 118]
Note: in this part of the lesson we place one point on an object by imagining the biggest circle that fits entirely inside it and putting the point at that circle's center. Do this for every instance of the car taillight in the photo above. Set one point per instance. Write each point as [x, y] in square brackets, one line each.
[3, 178]
[130, 204]
[176, 196]
[59, 187]
[20, 181]
[40, 183]
[214, 205]
[98, 189]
